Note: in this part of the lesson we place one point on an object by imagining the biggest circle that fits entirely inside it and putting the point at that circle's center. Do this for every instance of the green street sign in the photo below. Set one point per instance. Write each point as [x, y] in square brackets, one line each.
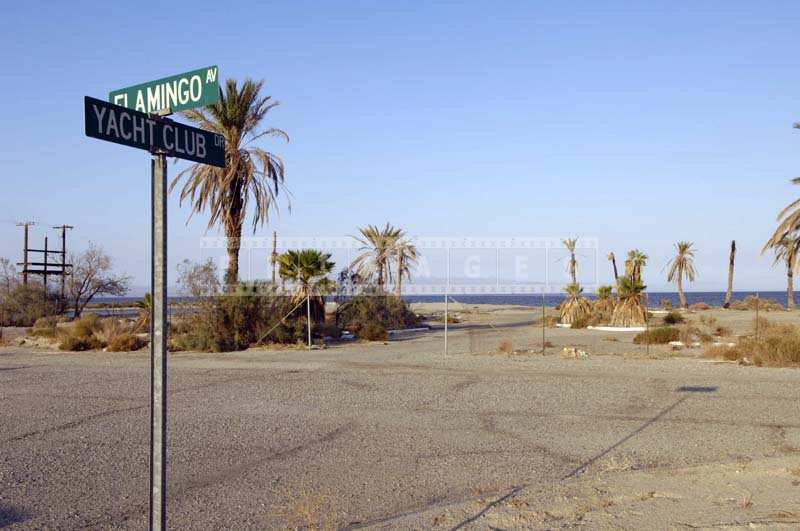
[197, 88]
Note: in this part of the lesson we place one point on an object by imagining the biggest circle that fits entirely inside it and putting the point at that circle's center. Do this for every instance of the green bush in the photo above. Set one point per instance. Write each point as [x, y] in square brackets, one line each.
[327, 329]
[24, 305]
[389, 312]
[234, 322]
[373, 332]
[658, 336]
[673, 317]
[125, 343]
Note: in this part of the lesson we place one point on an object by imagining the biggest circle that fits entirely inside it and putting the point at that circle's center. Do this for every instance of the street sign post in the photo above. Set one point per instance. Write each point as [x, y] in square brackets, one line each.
[175, 93]
[128, 127]
[136, 118]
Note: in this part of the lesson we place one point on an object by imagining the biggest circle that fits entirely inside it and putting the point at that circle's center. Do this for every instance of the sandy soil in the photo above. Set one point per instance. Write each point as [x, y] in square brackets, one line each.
[402, 435]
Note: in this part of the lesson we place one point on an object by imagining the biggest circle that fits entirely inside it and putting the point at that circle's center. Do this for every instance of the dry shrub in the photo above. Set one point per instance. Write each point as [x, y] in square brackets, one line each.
[110, 329]
[776, 345]
[673, 318]
[373, 332]
[125, 343]
[305, 507]
[751, 302]
[666, 304]
[699, 306]
[657, 336]
[79, 343]
[505, 347]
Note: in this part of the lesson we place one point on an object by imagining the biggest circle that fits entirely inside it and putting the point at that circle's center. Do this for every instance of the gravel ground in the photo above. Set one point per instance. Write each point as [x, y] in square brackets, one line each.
[370, 435]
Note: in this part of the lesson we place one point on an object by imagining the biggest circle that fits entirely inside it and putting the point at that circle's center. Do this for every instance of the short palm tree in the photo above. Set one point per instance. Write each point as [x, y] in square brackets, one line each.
[308, 271]
[680, 267]
[571, 244]
[787, 251]
[251, 176]
[629, 310]
[575, 307]
[604, 304]
[377, 246]
[405, 260]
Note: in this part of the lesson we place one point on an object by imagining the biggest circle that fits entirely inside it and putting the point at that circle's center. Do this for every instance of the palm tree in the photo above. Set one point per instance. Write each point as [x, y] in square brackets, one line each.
[634, 265]
[682, 266]
[787, 250]
[629, 310]
[251, 175]
[406, 254]
[604, 305]
[729, 292]
[377, 246]
[613, 259]
[570, 244]
[575, 308]
[788, 218]
[307, 269]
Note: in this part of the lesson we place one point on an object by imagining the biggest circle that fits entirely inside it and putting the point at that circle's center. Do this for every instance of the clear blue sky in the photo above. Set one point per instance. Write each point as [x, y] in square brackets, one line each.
[639, 123]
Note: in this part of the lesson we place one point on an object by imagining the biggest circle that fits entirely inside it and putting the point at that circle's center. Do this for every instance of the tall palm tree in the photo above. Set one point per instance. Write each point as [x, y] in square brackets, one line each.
[613, 259]
[377, 246]
[634, 265]
[680, 267]
[406, 258]
[788, 218]
[787, 250]
[308, 270]
[571, 244]
[729, 292]
[251, 175]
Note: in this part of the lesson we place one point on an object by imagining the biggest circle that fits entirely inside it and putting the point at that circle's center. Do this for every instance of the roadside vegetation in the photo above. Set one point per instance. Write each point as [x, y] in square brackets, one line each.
[775, 345]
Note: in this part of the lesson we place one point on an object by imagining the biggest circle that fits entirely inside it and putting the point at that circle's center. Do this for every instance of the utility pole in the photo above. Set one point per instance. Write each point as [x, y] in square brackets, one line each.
[25, 225]
[63, 229]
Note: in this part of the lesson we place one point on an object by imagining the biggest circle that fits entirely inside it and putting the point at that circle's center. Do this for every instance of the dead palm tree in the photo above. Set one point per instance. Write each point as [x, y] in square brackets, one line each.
[575, 308]
[406, 259]
[787, 250]
[680, 267]
[613, 259]
[251, 174]
[377, 246]
[571, 244]
[729, 292]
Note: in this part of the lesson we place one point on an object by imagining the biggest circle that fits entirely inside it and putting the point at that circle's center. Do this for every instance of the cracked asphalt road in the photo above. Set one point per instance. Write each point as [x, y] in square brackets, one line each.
[359, 435]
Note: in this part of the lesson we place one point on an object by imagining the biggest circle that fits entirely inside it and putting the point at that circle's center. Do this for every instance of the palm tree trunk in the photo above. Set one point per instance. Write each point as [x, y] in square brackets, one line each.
[790, 288]
[681, 296]
[614, 265]
[573, 268]
[380, 277]
[729, 293]
[234, 235]
[398, 288]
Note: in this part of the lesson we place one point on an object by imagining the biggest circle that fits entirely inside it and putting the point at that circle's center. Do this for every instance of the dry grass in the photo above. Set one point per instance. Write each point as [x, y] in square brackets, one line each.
[699, 307]
[658, 336]
[777, 345]
[305, 507]
[751, 302]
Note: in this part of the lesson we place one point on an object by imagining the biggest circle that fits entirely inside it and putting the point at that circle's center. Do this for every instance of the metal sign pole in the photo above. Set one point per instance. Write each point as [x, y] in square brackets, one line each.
[158, 346]
[446, 300]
